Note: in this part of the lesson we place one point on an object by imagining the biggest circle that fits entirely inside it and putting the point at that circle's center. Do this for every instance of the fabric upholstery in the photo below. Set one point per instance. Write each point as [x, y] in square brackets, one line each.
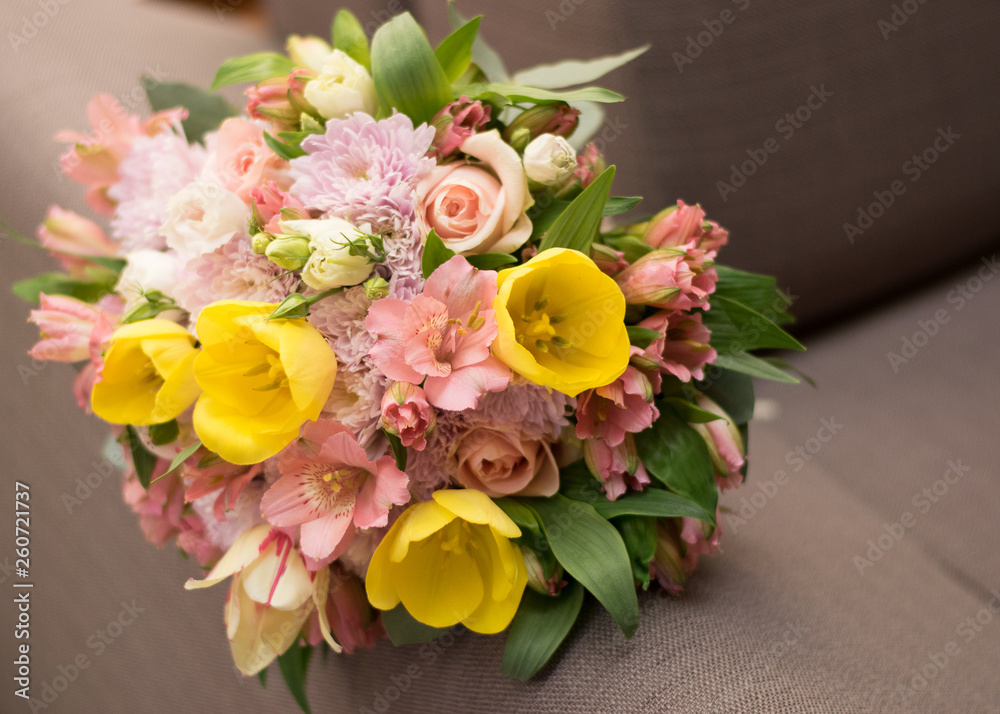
[781, 621]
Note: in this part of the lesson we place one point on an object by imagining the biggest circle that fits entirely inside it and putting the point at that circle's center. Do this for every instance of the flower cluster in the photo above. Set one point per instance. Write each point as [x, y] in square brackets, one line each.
[371, 346]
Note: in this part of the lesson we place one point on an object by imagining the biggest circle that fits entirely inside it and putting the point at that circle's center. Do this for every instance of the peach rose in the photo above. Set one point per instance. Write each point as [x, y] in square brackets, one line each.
[503, 462]
[243, 160]
[478, 206]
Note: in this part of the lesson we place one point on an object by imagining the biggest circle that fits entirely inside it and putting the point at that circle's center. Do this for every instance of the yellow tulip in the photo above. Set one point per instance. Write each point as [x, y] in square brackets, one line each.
[261, 379]
[562, 322]
[450, 560]
[148, 375]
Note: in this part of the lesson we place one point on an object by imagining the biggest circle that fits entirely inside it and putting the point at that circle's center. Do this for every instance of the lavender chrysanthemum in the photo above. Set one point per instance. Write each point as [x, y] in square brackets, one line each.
[364, 170]
[341, 318]
[232, 272]
[155, 168]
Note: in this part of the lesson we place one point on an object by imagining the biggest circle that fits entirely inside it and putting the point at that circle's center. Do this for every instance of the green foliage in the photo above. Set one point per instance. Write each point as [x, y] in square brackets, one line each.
[539, 627]
[205, 111]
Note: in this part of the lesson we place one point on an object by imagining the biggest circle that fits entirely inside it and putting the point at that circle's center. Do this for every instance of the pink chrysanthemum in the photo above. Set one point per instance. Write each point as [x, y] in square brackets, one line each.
[154, 170]
[232, 272]
[364, 170]
[341, 318]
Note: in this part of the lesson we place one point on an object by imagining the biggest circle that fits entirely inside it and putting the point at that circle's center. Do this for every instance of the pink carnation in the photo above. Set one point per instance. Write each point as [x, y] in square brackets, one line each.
[442, 336]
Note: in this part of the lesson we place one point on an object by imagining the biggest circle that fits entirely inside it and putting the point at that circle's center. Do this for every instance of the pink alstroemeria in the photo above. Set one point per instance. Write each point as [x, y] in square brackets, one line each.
[268, 202]
[93, 159]
[684, 226]
[66, 325]
[725, 445]
[71, 238]
[610, 412]
[683, 350]
[456, 122]
[229, 480]
[329, 487]
[407, 414]
[617, 467]
[670, 278]
[701, 538]
[444, 334]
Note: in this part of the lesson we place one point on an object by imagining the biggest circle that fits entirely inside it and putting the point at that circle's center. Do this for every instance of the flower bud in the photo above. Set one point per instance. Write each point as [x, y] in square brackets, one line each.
[342, 88]
[590, 164]
[554, 118]
[668, 559]
[610, 261]
[653, 279]
[537, 581]
[71, 237]
[268, 101]
[293, 306]
[617, 467]
[674, 226]
[289, 252]
[407, 413]
[260, 241]
[338, 255]
[376, 288]
[725, 444]
[549, 160]
[456, 122]
[308, 52]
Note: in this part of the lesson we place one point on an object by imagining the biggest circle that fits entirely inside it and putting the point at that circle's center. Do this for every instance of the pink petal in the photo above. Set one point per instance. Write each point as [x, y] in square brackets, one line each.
[385, 321]
[460, 286]
[463, 387]
[319, 538]
[386, 488]
[287, 502]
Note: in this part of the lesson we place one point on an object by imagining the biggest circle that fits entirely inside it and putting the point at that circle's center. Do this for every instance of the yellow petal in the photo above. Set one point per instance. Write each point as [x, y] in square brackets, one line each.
[379, 585]
[241, 553]
[262, 633]
[495, 613]
[438, 587]
[310, 365]
[178, 391]
[321, 592]
[157, 327]
[119, 397]
[424, 519]
[221, 321]
[476, 507]
[279, 579]
[234, 436]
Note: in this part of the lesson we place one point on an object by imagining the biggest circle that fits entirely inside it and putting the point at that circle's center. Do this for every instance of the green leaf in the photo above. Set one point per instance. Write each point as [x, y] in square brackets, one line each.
[205, 111]
[403, 629]
[538, 628]
[294, 664]
[180, 459]
[455, 51]
[435, 253]
[616, 205]
[103, 283]
[641, 336]
[262, 676]
[578, 225]
[691, 413]
[730, 390]
[639, 534]
[632, 247]
[407, 74]
[759, 292]
[754, 366]
[518, 94]
[349, 37]
[522, 515]
[782, 364]
[162, 434]
[737, 328]
[678, 457]
[398, 450]
[251, 68]
[544, 215]
[484, 56]
[570, 73]
[490, 261]
[142, 459]
[282, 149]
[578, 484]
[592, 551]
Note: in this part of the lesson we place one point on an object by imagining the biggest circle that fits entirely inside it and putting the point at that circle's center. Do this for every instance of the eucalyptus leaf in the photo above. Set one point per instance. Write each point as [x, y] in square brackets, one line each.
[252, 68]
[570, 73]
[407, 75]
[539, 627]
[349, 37]
[578, 225]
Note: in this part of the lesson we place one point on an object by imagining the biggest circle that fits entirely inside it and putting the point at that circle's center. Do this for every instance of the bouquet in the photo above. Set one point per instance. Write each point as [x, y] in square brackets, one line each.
[382, 353]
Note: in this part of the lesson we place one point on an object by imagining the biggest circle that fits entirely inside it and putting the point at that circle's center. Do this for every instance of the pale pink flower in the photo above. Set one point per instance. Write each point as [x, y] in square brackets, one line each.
[682, 226]
[353, 622]
[617, 467]
[668, 278]
[443, 335]
[683, 349]
[456, 122]
[65, 324]
[502, 461]
[406, 413]
[242, 159]
[71, 238]
[725, 444]
[279, 100]
[111, 308]
[267, 203]
[161, 506]
[94, 159]
[329, 487]
[622, 407]
[224, 479]
[700, 539]
[590, 164]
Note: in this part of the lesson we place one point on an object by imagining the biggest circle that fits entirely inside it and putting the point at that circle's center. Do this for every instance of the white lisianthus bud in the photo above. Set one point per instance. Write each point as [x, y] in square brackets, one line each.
[201, 217]
[308, 52]
[549, 160]
[343, 87]
[332, 264]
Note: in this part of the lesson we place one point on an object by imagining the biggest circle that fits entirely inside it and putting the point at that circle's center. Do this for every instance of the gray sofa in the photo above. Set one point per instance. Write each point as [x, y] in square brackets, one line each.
[860, 569]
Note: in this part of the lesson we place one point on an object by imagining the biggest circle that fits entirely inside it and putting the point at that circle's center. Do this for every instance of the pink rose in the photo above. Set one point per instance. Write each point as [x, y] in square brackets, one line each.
[503, 462]
[477, 207]
[242, 159]
[406, 413]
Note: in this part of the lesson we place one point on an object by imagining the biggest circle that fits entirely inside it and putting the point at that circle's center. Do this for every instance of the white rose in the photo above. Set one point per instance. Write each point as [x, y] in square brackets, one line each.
[343, 87]
[331, 264]
[549, 160]
[203, 216]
